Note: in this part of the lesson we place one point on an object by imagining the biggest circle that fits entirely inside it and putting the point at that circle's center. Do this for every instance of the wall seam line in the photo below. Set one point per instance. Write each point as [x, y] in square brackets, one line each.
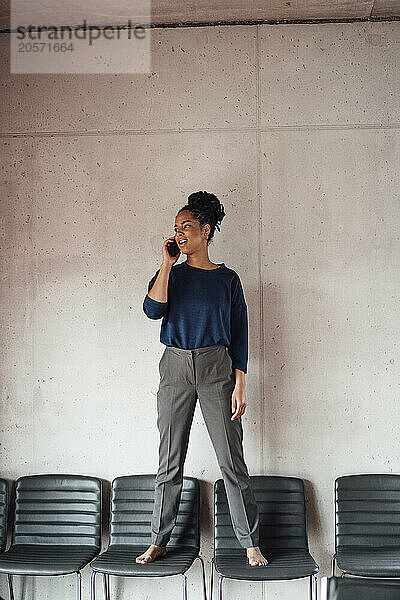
[127, 132]
[260, 268]
[260, 275]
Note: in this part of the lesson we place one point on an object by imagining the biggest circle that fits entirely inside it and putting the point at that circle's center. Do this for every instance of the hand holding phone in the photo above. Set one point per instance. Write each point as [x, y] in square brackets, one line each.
[173, 248]
[170, 251]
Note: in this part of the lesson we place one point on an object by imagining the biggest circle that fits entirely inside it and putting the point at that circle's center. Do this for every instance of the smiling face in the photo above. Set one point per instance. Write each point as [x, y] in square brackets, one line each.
[188, 228]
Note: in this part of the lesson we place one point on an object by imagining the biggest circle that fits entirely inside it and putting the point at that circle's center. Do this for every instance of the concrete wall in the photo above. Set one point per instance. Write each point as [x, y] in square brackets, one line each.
[296, 129]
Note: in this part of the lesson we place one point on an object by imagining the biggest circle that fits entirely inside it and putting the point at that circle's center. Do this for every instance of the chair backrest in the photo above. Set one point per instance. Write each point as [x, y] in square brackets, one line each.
[367, 510]
[282, 513]
[132, 501]
[4, 507]
[58, 510]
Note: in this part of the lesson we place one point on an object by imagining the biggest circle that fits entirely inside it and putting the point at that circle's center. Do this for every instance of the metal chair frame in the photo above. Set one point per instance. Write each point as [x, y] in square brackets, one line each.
[78, 583]
[335, 566]
[77, 573]
[313, 589]
[107, 586]
[313, 580]
[350, 575]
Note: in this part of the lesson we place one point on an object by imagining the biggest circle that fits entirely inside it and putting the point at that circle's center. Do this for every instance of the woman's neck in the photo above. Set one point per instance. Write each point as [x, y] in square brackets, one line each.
[201, 262]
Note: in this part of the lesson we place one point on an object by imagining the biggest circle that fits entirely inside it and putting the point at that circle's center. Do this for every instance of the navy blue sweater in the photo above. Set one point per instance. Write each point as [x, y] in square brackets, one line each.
[204, 307]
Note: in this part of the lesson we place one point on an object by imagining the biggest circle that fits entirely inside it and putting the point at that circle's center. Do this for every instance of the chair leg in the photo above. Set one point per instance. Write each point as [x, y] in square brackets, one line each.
[313, 587]
[323, 588]
[203, 576]
[184, 586]
[10, 587]
[333, 565]
[106, 584]
[78, 585]
[93, 585]
[210, 591]
[220, 578]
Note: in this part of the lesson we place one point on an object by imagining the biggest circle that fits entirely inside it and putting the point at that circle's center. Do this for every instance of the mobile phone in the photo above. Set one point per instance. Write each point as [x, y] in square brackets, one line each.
[173, 248]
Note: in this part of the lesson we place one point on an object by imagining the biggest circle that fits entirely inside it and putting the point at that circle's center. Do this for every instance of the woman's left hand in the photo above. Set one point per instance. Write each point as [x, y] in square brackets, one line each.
[238, 402]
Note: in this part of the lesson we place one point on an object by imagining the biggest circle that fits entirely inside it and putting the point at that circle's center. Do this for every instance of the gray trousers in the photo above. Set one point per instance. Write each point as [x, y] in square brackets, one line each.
[185, 375]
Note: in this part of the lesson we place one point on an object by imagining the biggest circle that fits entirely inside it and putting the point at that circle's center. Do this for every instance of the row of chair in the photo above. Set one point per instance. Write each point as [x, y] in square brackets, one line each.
[57, 526]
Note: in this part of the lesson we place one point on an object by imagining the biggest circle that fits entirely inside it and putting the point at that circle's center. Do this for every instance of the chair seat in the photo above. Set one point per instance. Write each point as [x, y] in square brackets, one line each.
[349, 588]
[374, 562]
[38, 559]
[120, 560]
[282, 564]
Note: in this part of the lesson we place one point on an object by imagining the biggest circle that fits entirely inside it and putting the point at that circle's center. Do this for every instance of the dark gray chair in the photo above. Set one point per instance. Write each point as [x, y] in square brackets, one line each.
[57, 526]
[132, 501]
[283, 535]
[367, 518]
[355, 588]
[4, 508]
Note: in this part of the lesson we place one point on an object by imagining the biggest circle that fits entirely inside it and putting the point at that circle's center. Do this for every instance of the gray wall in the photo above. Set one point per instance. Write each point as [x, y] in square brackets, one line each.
[296, 129]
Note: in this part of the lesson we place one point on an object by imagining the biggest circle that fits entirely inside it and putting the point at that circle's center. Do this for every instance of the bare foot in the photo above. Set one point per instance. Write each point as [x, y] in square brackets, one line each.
[256, 559]
[151, 554]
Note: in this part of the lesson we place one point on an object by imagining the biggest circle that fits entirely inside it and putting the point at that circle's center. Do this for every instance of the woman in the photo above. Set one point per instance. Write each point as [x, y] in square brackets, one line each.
[205, 331]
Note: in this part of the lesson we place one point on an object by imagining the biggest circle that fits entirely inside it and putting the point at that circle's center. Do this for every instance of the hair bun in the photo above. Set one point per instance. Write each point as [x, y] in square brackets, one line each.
[209, 202]
[206, 208]
[200, 198]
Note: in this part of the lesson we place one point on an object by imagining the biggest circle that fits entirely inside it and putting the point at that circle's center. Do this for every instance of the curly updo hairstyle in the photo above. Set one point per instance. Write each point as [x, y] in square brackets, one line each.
[206, 208]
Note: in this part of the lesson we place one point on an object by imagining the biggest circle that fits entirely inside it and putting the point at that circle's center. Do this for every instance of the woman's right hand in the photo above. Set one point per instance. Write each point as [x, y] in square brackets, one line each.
[167, 258]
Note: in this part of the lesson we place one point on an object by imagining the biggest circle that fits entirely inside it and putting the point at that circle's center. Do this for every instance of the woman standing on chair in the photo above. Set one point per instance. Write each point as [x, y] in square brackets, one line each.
[205, 331]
